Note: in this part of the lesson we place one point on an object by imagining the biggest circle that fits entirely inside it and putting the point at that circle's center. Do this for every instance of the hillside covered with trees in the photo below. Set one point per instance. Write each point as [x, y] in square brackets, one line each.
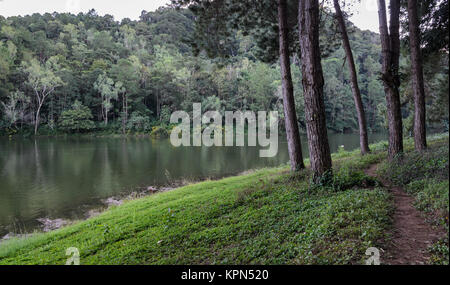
[65, 73]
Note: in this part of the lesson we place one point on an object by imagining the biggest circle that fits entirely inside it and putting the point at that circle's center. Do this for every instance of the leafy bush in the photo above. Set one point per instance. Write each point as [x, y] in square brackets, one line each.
[159, 132]
[113, 127]
[343, 179]
[138, 122]
[164, 117]
[346, 179]
[79, 118]
[47, 130]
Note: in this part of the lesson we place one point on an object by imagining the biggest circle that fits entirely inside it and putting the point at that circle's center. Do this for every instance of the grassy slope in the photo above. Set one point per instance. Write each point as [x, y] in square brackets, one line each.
[266, 217]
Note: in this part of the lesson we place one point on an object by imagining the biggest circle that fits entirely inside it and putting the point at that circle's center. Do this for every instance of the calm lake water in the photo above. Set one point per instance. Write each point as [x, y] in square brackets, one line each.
[65, 177]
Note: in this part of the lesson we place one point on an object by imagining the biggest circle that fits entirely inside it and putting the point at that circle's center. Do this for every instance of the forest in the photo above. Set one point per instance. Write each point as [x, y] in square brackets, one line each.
[65, 73]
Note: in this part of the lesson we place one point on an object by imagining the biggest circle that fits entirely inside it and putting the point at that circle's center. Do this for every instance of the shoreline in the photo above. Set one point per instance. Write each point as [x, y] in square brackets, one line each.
[148, 134]
[53, 224]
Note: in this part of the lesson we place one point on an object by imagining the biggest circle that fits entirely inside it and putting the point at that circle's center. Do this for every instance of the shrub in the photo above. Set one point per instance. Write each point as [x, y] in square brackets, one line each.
[138, 122]
[344, 179]
[79, 118]
[159, 132]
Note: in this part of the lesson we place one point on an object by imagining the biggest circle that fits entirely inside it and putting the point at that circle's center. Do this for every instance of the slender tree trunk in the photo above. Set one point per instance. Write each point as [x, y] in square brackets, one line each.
[363, 137]
[36, 121]
[290, 117]
[420, 139]
[125, 112]
[157, 106]
[312, 79]
[390, 44]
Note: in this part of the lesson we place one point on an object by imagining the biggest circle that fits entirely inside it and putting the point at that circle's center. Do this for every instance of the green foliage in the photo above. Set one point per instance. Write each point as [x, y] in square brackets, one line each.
[14, 108]
[431, 196]
[433, 20]
[343, 179]
[346, 179]
[159, 132]
[164, 116]
[78, 119]
[348, 171]
[42, 77]
[414, 166]
[107, 65]
[138, 122]
[440, 252]
[149, 66]
[109, 91]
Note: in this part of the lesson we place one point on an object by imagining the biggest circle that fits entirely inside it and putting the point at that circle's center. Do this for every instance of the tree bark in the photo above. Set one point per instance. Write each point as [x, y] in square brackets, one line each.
[420, 139]
[390, 44]
[125, 112]
[290, 117]
[36, 121]
[40, 100]
[363, 137]
[312, 79]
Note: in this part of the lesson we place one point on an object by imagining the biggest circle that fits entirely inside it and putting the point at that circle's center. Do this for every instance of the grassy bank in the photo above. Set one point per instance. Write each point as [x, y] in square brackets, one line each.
[268, 216]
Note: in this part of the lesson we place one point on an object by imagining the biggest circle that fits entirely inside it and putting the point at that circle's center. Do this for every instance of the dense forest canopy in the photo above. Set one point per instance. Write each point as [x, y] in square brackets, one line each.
[86, 72]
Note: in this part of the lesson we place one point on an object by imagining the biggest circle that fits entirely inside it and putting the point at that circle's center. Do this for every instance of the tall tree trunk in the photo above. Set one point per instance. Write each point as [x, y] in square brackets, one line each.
[363, 138]
[390, 44]
[312, 79]
[38, 111]
[124, 112]
[36, 121]
[290, 117]
[420, 139]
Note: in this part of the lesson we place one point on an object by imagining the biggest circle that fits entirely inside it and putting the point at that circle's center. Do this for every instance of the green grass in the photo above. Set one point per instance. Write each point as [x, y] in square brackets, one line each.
[269, 216]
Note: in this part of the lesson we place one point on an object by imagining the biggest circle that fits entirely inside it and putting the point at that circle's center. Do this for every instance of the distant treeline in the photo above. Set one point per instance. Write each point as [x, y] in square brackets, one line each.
[77, 73]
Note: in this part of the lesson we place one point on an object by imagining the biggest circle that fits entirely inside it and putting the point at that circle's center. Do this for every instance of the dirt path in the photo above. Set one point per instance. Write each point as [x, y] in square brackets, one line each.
[412, 235]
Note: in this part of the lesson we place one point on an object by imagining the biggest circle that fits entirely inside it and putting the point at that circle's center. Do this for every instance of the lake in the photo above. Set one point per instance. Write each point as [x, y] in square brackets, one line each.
[65, 177]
